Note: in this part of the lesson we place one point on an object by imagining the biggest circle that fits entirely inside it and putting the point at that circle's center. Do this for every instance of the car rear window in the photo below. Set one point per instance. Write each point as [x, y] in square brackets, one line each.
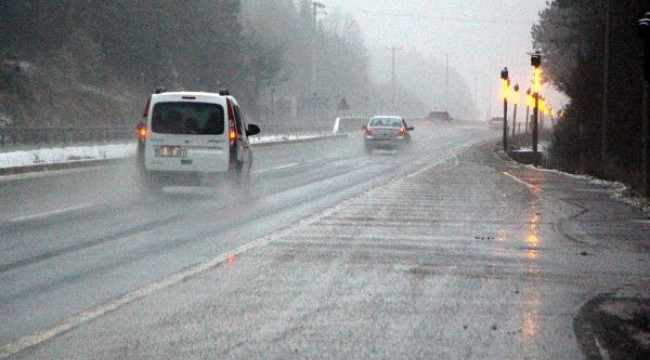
[386, 122]
[187, 118]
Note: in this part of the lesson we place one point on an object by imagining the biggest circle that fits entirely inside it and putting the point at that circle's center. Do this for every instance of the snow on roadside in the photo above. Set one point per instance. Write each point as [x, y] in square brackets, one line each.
[281, 138]
[98, 152]
[619, 190]
[65, 154]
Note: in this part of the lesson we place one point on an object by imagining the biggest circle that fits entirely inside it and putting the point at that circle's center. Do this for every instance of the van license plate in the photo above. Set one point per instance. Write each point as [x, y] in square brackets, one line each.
[170, 151]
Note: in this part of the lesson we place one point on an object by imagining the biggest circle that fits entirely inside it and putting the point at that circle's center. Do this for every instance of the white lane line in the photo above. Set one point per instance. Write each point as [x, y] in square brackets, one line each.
[281, 167]
[528, 185]
[49, 213]
[73, 322]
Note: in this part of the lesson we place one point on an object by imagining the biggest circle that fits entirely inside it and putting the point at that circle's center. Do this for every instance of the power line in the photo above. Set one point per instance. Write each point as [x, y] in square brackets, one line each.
[441, 18]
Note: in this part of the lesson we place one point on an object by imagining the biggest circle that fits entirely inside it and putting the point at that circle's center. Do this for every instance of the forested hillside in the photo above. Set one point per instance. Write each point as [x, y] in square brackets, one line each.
[90, 63]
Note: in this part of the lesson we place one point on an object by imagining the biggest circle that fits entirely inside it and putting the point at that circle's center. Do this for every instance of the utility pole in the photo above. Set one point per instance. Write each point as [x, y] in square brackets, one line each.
[644, 33]
[316, 6]
[477, 112]
[393, 90]
[604, 141]
[447, 82]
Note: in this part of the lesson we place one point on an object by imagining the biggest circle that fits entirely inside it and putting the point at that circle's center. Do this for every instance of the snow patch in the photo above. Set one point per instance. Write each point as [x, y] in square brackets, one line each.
[14, 159]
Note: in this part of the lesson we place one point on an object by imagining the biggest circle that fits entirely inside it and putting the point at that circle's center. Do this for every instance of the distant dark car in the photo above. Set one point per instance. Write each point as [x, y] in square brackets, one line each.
[386, 132]
[439, 116]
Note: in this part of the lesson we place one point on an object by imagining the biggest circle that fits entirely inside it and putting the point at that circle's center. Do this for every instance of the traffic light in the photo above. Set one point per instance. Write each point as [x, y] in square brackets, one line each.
[504, 73]
[536, 63]
[536, 60]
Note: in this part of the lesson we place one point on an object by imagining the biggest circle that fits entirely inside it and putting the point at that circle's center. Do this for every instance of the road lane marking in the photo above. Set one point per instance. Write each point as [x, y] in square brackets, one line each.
[528, 185]
[281, 167]
[29, 341]
[451, 155]
[50, 213]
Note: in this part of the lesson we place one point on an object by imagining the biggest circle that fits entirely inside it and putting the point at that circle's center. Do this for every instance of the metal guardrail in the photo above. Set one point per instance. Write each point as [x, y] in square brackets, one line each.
[63, 135]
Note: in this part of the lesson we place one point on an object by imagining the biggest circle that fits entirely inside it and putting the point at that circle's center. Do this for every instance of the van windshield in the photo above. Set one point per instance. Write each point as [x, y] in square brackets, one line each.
[187, 118]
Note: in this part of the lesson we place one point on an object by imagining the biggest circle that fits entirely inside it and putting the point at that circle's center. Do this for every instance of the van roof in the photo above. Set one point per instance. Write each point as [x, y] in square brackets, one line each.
[191, 95]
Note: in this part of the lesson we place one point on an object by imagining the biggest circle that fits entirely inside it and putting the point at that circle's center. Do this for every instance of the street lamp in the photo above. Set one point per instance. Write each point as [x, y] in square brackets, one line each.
[529, 103]
[643, 28]
[514, 114]
[542, 115]
[536, 62]
[506, 82]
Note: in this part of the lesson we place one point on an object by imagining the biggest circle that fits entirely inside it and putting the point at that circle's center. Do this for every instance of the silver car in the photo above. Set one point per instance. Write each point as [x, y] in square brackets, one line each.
[386, 132]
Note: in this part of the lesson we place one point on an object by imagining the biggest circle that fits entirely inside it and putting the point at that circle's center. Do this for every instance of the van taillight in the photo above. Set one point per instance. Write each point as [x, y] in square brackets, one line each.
[142, 131]
[368, 130]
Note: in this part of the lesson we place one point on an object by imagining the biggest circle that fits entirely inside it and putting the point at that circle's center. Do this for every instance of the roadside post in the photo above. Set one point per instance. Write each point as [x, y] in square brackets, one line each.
[506, 82]
[644, 33]
[514, 114]
[528, 103]
[536, 62]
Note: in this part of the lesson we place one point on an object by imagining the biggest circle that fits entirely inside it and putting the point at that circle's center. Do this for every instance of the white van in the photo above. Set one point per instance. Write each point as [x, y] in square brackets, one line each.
[186, 138]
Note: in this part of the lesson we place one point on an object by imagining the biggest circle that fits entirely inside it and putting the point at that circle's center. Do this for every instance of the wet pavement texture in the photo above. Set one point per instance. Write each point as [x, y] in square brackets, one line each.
[476, 257]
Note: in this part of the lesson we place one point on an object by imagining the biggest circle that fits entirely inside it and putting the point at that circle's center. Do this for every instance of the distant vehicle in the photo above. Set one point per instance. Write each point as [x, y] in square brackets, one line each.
[496, 122]
[386, 132]
[348, 124]
[187, 137]
[439, 116]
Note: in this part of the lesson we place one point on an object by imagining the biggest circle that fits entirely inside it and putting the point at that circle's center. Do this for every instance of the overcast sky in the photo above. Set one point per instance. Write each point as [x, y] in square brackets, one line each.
[479, 37]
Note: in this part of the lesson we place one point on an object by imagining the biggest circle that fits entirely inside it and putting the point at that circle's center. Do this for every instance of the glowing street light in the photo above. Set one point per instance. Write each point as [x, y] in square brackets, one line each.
[529, 104]
[506, 83]
[514, 114]
[536, 62]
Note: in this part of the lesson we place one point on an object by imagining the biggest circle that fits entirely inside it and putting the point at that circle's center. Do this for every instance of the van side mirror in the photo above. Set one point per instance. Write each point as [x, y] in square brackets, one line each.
[252, 130]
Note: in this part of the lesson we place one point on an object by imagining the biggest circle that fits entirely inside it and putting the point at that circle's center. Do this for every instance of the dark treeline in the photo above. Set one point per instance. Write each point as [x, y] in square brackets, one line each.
[572, 38]
[67, 62]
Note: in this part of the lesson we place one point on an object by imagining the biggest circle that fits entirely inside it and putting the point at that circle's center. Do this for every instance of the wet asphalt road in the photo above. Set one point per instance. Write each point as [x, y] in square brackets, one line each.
[446, 252]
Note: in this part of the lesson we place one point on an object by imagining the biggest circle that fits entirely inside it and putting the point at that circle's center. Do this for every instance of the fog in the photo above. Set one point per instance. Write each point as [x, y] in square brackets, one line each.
[476, 38]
